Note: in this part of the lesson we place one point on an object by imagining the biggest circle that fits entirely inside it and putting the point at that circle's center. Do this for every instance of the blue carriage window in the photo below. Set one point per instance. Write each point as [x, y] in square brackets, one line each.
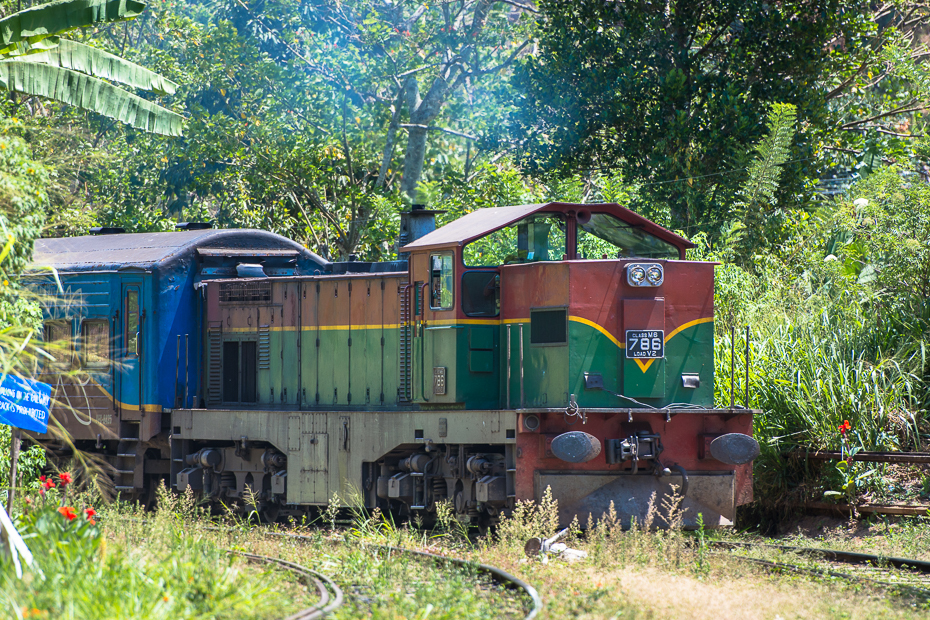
[58, 344]
[95, 343]
[132, 322]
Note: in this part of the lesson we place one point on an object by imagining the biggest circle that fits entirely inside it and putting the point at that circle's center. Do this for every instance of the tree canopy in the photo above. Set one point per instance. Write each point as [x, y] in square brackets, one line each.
[674, 91]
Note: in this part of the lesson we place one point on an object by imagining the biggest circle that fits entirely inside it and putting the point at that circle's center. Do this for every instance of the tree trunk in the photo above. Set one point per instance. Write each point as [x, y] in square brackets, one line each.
[422, 113]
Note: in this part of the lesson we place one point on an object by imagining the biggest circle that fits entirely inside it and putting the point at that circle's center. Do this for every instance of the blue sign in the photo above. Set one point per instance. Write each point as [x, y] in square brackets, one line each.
[24, 403]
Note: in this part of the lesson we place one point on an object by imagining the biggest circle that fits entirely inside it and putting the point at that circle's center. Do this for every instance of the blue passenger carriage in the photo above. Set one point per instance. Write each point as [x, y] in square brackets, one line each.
[126, 326]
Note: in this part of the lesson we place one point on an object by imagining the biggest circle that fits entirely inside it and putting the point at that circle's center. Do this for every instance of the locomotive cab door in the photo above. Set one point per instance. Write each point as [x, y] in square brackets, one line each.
[130, 394]
[439, 333]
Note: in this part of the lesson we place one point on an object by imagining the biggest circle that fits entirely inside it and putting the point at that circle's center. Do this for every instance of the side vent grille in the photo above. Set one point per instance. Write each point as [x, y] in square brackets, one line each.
[253, 293]
[264, 347]
[215, 370]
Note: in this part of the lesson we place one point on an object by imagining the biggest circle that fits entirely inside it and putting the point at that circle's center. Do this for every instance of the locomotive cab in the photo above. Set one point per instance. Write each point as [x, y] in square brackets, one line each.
[555, 305]
[589, 324]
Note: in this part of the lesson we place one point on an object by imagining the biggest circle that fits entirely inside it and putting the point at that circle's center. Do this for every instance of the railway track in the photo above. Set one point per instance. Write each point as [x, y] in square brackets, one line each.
[499, 576]
[331, 597]
[901, 576]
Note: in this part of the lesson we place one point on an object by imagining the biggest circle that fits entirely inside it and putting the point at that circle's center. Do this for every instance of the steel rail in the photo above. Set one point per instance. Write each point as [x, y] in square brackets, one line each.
[846, 557]
[834, 555]
[498, 575]
[322, 583]
[865, 457]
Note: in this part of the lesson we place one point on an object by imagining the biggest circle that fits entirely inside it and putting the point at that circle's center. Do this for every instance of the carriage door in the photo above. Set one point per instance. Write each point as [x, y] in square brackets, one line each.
[130, 350]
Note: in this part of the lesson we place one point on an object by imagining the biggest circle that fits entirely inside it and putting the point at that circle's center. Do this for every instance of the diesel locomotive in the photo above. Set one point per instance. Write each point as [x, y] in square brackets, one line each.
[561, 346]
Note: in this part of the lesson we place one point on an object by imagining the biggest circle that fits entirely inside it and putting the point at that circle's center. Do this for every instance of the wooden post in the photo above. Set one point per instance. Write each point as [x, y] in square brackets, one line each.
[17, 437]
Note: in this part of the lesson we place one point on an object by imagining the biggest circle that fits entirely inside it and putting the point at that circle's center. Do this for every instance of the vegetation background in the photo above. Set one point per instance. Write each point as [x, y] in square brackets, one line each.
[787, 139]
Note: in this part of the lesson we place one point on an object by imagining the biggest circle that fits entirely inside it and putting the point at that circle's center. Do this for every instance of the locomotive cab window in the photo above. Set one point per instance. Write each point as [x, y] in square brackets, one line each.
[533, 239]
[58, 344]
[441, 275]
[95, 343]
[481, 293]
[605, 236]
[240, 377]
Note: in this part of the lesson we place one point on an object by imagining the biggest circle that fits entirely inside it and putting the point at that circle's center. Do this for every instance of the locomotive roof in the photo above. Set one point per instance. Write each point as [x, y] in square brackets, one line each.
[152, 250]
[484, 221]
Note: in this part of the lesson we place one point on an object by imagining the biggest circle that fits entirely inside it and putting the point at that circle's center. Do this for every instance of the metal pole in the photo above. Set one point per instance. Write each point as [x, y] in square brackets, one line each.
[14, 459]
[732, 361]
[177, 370]
[508, 367]
[187, 370]
[746, 402]
[522, 393]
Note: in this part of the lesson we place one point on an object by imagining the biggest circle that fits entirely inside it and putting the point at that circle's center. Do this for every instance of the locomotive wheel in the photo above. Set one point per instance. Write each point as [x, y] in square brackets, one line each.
[269, 512]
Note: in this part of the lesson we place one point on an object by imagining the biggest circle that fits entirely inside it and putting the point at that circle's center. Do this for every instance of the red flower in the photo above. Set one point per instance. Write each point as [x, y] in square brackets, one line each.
[90, 512]
[68, 513]
[65, 478]
[46, 483]
[844, 427]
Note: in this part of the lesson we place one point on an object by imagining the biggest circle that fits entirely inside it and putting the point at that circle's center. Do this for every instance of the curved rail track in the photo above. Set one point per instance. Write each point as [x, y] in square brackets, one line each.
[497, 575]
[331, 597]
[902, 575]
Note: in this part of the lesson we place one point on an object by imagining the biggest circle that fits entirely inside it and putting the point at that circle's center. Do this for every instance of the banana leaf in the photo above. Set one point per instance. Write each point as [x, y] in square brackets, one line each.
[89, 93]
[100, 64]
[39, 22]
[22, 48]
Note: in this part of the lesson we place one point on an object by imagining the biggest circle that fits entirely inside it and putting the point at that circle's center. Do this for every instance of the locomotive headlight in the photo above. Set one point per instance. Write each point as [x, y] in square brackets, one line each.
[654, 275]
[645, 274]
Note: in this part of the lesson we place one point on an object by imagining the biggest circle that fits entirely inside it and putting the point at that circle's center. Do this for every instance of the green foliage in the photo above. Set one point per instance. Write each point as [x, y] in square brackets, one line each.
[672, 94]
[23, 198]
[889, 240]
[150, 568]
[29, 466]
[34, 61]
[840, 328]
[754, 206]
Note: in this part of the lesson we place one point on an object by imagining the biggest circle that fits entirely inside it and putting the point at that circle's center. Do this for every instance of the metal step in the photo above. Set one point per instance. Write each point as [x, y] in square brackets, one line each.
[127, 455]
[124, 472]
[123, 488]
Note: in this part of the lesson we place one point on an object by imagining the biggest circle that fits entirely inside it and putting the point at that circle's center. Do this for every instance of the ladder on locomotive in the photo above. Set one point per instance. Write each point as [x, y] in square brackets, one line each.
[404, 390]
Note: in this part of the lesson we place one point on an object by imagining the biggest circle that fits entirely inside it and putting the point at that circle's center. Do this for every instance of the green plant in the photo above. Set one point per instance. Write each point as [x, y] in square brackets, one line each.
[701, 545]
[530, 519]
[37, 61]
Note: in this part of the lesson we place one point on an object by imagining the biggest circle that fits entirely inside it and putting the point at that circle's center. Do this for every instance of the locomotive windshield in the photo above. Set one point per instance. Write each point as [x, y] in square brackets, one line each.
[605, 235]
[542, 237]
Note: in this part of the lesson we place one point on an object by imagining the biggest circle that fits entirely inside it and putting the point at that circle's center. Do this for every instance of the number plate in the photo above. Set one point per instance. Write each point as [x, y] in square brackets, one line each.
[645, 344]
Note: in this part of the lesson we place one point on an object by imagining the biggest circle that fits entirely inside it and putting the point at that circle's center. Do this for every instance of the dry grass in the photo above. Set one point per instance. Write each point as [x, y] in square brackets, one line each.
[641, 573]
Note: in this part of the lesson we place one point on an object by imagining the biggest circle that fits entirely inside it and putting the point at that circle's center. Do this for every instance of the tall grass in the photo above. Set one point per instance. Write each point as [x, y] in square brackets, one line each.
[824, 349]
[126, 566]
